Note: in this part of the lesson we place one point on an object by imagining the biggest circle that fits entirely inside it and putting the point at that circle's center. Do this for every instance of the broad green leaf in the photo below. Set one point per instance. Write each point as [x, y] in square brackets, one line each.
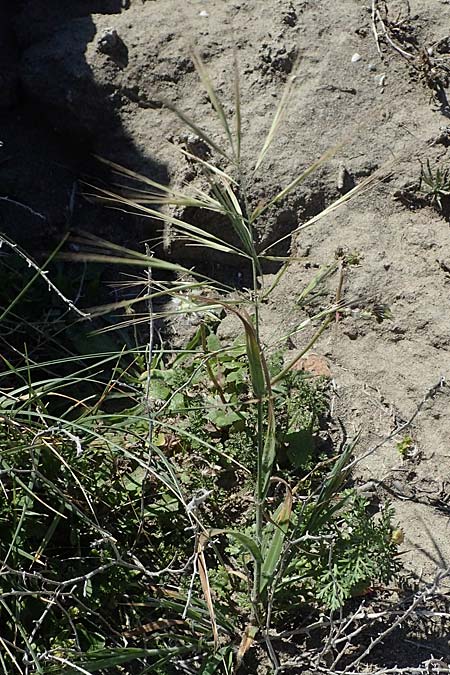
[163, 507]
[213, 343]
[236, 376]
[158, 390]
[243, 539]
[224, 418]
[133, 482]
[177, 402]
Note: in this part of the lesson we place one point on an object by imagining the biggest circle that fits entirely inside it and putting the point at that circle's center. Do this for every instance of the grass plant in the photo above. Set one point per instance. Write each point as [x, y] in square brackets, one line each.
[435, 184]
[186, 503]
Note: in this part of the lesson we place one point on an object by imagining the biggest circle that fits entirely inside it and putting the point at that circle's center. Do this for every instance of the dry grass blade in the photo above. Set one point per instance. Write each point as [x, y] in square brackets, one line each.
[123, 171]
[281, 195]
[238, 221]
[203, 74]
[323, 273]
[98, 251]
[168, 290]
[137, 319]
[361, 187]
[237, 99]
[201, 236]
[192, 240]
[247, 640]
[160, 188]
[365, 184]
[204, 580]
[118, 260]
[197, 130]
[278, 118]
[144, 198]
[202, 162]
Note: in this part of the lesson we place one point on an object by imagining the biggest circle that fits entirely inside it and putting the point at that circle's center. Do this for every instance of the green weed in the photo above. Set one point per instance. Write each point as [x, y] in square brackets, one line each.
[405, 446]
[187, 500]
[435, 184]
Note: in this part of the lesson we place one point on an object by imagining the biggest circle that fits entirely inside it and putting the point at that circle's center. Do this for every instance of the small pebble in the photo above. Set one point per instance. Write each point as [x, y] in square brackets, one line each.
[203, 13]
[382, 80]
[372, 67]
[356, 57]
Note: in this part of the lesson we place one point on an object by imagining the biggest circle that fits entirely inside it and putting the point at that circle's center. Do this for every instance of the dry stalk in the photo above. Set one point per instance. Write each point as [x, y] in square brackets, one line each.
[363, 620]
[426, 594]
[377, 19]
[42, 273]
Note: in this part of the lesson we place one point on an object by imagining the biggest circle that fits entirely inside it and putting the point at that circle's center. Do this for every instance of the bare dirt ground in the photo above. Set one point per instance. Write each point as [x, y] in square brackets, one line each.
[390, 113]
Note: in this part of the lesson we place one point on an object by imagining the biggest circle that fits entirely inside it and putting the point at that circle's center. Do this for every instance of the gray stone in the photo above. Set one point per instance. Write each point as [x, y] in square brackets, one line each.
[57, 77]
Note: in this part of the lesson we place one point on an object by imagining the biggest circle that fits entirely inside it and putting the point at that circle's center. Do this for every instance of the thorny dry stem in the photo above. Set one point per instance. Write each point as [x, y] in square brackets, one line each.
[426, 594]
[361, 621]
[433, 70]
[377, 19]
[23, 206]
[429, 667]
[42, 273]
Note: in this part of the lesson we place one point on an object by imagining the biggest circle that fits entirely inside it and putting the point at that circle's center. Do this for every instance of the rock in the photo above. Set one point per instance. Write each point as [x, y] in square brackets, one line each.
[315, 364]
[111, 43]
[36, 20]
[56, 75]
[345, 181]
[290, 17]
